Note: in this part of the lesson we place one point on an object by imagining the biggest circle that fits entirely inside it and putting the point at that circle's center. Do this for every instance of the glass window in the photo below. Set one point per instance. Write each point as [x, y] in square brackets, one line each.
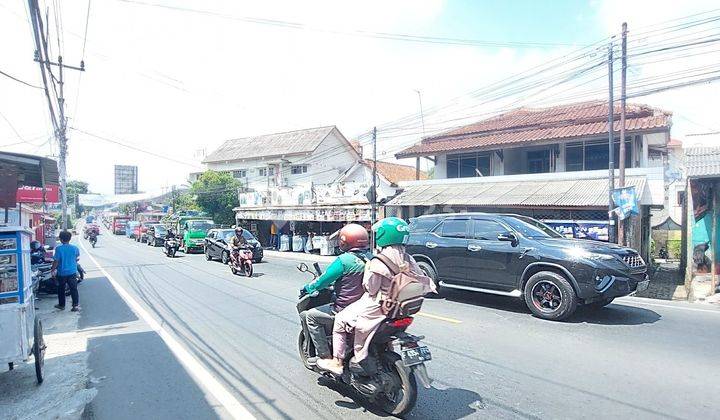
[574, 157]
[241, 173]
[298, 169]
[538, 161]
[596, 156]
[531, 228]
[454, 228]
[262, 171]
[423, 224]
[487, 230]
[8, 273]
[468, 165]
[452, 166]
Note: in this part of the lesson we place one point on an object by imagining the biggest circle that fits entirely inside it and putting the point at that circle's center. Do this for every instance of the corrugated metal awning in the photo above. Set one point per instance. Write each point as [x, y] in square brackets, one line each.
[539, 193]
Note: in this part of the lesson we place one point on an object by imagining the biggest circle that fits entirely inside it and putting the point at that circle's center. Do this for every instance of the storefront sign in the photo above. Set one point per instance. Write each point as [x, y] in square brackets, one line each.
[27, 194]
[329, 214]
[342, 193]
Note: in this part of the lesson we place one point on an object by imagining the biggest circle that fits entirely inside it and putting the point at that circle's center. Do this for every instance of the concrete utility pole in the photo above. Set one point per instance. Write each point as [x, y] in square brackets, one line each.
[611, 160]
[422, 119]
[60, 125]
[623, 97]
[373, 208]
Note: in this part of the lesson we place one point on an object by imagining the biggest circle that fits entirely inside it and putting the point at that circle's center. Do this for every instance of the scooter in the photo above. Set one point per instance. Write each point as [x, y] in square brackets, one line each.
[242, 262]
[171, 247]
[93, 239]
[385, 378]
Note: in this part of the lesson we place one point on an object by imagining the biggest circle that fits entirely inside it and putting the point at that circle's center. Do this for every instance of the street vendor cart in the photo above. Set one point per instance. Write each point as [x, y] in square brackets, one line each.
[20, 329]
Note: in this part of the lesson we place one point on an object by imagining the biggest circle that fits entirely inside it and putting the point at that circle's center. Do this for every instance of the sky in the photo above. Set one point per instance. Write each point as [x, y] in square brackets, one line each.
[176, 82]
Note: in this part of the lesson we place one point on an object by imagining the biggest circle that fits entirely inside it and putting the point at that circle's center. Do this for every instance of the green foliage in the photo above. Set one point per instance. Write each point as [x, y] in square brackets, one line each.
[185, 201]
[73, 189]
[216, 194]
[673, 248]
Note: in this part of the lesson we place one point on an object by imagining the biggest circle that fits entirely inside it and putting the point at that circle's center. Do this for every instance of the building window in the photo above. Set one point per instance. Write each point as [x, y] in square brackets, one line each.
[538, 161]
[593, 155]
[468, 165]
[241, 173]
[298, 169]
[267, 171]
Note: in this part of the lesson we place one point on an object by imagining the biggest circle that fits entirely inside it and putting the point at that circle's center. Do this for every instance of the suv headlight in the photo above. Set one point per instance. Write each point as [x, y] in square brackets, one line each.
[578, 253]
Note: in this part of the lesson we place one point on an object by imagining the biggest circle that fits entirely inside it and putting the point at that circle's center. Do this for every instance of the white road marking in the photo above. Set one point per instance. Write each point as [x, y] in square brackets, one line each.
[196, 369]
[680, 307]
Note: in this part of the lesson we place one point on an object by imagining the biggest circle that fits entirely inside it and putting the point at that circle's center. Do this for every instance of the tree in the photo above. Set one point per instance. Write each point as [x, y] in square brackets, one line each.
[72, 190]
[216, 193]
[184, 201]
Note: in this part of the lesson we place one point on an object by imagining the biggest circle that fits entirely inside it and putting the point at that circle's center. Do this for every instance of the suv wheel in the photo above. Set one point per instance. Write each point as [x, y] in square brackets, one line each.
[207, 254]
[430, 272]
[550, 296]
[225, 257]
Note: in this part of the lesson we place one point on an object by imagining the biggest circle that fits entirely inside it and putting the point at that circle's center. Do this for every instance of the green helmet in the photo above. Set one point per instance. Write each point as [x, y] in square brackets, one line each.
[390, 231]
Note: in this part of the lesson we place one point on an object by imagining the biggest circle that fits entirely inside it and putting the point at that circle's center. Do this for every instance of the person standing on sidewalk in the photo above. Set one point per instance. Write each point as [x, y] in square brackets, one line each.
[65, 268]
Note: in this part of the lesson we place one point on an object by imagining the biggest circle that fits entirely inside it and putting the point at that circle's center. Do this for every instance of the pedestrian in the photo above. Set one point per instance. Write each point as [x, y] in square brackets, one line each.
[65, 267]
[273, 236]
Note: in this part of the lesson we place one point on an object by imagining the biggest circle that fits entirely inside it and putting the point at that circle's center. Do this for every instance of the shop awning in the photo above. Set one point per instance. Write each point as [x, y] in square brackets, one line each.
[334, 213]
[30, 168]
[561, 193]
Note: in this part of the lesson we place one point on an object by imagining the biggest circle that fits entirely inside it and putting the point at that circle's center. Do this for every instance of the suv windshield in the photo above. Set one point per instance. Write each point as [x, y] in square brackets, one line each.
[199, 225]
[531, 228]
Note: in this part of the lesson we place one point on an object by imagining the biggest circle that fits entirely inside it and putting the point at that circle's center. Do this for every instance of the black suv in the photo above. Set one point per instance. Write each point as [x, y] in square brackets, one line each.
[519, 256]
[155, 235]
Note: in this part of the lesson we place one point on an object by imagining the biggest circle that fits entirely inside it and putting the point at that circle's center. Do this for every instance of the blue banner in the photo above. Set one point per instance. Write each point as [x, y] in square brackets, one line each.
[626, 200]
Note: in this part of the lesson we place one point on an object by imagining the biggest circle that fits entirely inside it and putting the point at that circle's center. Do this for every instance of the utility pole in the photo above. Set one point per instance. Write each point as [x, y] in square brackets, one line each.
[60, 125]
[623, 97]
[373, 208]
[611, 160]
[422, 119]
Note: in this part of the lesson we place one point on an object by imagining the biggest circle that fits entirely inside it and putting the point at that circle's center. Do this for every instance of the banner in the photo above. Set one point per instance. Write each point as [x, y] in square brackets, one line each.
[27, 194]
[580, 229]
[626, 201]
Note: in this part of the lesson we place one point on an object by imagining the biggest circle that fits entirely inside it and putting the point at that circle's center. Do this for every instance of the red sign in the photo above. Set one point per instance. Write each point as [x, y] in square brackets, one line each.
[35, 194]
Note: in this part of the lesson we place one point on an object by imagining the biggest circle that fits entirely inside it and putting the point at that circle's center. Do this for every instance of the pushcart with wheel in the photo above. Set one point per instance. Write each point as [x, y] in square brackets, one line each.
[21, 334]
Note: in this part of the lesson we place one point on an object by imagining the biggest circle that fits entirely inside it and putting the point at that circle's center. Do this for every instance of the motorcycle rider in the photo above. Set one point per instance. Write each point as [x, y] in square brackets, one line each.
[238, 242]
[345, 273]
[365, 315]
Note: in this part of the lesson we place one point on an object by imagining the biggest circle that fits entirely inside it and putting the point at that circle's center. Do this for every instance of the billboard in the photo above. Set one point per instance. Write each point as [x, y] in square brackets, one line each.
[27, 194]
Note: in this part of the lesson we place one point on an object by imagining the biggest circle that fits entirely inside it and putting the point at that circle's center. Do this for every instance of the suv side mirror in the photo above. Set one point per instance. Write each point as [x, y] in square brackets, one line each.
[508, 237]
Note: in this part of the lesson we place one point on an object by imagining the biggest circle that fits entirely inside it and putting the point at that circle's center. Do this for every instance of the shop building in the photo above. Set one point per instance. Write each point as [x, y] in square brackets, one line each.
[702, 169]
[548, 163]
[307, 182]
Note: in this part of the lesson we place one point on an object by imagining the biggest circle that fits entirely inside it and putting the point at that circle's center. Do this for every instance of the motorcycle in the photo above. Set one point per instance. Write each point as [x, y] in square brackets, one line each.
[385, 378]
[171, 247]
[93, 239]
[242, 262]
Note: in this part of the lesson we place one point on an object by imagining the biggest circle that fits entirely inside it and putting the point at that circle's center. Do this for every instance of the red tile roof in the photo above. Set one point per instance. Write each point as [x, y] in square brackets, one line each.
[395, 172]
[526, 125]
[675, 143]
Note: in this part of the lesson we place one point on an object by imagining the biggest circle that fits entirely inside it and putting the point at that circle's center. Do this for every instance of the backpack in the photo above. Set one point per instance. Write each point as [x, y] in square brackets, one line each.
[406, 293]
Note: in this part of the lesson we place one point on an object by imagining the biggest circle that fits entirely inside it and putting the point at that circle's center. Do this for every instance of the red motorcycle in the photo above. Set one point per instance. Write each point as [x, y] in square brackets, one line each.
[241, 262]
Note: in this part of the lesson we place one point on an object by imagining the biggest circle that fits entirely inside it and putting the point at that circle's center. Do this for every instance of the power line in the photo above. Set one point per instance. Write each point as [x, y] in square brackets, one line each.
[138, 149]
[20, 81]
[358, 33]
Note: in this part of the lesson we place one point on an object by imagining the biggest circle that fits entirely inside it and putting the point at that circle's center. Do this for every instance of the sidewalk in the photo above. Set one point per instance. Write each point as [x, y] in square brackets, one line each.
[64, 393]
[666, 283]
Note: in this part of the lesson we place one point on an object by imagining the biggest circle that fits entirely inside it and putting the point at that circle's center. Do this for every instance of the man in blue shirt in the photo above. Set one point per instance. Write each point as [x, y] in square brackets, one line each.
[65, 267]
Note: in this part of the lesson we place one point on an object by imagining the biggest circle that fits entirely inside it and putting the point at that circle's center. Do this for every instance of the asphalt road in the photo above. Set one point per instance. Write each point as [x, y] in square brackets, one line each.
[637, 358]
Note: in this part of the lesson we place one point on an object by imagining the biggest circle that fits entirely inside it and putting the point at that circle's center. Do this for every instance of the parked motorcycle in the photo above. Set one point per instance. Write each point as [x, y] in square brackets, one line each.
[171, 247]
[242, 262]
[385, 378]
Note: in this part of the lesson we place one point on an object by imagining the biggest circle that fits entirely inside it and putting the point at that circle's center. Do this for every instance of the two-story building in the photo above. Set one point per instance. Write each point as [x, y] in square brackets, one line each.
[548, 163]
[305, 181]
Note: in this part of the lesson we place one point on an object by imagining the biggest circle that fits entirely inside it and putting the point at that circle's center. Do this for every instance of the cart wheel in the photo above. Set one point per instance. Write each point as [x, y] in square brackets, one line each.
[39, 350]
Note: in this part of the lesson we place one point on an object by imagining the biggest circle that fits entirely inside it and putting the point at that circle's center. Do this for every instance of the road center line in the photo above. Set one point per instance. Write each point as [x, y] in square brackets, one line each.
[196, 369]
[439, 318]
[628, 302]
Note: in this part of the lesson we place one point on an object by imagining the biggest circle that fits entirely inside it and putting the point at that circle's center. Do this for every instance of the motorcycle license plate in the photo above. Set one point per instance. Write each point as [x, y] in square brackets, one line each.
[415, 356]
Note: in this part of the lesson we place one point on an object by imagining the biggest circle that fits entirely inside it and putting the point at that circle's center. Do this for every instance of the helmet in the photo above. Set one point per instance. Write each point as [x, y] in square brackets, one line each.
[353, 236]
[238, 229]
[390, 231]
[35, 246]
